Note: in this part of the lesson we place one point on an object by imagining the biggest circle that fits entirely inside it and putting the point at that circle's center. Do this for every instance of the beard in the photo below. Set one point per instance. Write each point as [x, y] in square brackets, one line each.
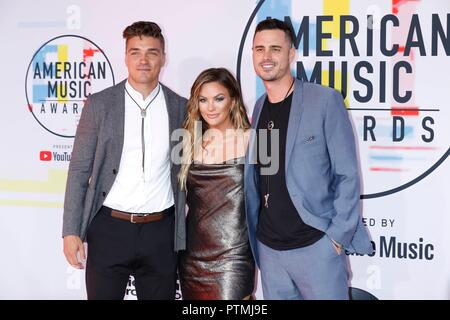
[268, 77]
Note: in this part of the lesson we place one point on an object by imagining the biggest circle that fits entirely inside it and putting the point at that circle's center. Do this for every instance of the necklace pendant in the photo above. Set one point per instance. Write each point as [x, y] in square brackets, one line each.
[266, 200]
[270, 125]
[143, 113]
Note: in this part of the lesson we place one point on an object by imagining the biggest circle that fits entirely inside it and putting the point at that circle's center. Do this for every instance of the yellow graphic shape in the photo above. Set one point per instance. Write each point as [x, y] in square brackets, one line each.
[337, 82]
[335, 8]
[62, 57]
[55, 183]
[31, 203]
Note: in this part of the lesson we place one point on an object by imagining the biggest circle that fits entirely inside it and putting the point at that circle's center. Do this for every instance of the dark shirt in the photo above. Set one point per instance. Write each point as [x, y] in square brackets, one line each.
[280, 226]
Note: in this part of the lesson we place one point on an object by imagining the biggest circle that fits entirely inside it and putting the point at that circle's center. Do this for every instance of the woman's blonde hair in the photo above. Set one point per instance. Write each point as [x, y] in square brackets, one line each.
[193, 135]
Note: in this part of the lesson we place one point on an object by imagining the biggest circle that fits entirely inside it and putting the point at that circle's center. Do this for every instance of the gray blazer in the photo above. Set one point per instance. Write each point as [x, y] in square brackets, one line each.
[321, 168]
[96, 157]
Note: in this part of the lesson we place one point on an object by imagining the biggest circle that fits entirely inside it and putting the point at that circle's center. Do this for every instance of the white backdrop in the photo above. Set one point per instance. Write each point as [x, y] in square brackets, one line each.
[405, 183]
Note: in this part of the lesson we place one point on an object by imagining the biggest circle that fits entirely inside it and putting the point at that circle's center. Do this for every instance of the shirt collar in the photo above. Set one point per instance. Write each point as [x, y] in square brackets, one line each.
[136, 95]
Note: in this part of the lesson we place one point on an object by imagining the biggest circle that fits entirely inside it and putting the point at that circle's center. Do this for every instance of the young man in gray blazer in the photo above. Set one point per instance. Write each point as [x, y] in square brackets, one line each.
[303, 216]
[122, 195]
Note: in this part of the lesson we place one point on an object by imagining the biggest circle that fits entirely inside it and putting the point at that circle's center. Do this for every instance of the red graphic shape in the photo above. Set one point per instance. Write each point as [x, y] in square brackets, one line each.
[386, 169]
[405, 111]
[45, 156]
[89, 53]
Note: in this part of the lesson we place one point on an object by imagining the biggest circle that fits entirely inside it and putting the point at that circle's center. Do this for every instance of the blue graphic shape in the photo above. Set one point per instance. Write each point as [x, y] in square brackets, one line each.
[40, 56]
[40, 90]
[39, 93]
[386, 158]
[408, 131]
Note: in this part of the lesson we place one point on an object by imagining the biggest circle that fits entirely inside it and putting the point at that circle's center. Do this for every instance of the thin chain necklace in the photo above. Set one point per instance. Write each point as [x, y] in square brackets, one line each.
[270, 126]
[143, 115]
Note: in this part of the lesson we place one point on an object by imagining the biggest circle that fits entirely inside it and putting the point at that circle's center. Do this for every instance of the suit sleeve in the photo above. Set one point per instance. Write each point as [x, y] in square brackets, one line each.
[340, 141]
[80, 169]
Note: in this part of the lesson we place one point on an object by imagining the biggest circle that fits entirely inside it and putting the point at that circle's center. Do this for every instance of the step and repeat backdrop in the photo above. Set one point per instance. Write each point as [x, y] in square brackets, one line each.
[389, 58]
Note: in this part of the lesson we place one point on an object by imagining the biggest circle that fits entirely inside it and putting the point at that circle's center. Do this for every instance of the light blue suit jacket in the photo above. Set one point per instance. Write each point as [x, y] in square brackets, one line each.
[321, 168]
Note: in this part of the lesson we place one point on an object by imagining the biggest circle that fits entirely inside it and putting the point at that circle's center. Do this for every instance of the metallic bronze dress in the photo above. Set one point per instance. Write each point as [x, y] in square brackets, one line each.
[218, 263]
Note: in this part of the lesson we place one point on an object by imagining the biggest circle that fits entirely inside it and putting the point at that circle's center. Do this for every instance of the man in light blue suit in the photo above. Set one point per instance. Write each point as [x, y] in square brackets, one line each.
[302, 217]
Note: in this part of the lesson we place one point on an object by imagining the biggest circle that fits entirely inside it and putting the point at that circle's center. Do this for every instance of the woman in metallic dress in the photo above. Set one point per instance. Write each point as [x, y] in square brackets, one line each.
[218, 263]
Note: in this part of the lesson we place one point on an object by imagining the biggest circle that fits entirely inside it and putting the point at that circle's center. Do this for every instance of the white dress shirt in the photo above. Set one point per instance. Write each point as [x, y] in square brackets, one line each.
[138, 188]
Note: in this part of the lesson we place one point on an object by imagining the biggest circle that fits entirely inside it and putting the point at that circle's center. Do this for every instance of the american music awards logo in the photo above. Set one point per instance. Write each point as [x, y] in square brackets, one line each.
[63, 72]
[391, 64]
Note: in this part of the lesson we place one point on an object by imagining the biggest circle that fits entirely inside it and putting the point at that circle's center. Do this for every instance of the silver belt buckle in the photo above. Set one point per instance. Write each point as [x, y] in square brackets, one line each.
[137, 215]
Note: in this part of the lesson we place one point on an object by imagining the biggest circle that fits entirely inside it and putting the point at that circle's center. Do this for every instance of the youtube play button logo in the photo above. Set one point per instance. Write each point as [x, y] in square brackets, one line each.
[45, 156]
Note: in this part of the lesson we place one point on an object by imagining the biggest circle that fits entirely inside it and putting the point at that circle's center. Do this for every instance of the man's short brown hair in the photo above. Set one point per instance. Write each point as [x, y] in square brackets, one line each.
[275, 24]
[144, 28]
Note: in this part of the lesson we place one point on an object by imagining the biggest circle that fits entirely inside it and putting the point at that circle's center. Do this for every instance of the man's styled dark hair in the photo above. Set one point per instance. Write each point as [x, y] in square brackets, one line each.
[144, 28]
[275, 24]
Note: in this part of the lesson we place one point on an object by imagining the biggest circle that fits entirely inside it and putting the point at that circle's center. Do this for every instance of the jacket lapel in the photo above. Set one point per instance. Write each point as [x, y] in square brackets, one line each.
[252, 156]
[117, 105]
[294, 120]
[172, 112]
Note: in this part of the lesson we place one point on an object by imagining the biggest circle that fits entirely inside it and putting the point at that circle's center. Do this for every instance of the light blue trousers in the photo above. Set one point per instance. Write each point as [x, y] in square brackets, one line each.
[312, 272]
